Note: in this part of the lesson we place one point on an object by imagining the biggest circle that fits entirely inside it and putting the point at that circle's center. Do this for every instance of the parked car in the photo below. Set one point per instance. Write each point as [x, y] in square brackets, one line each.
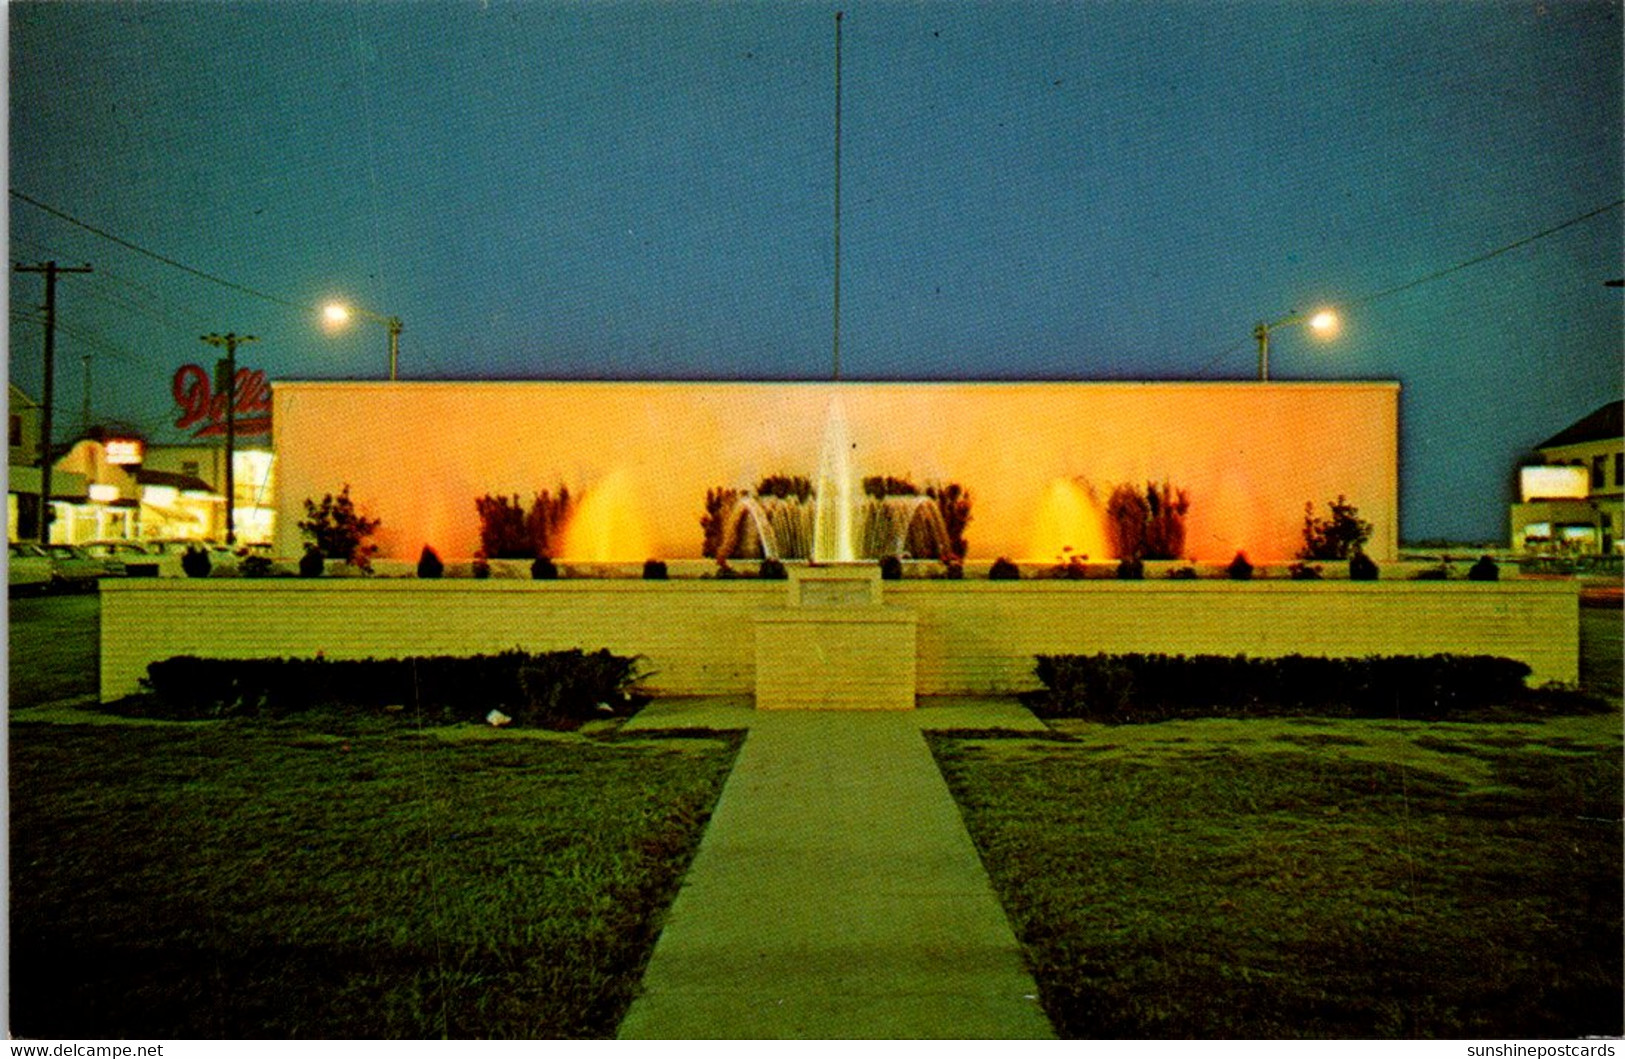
[29, 569]
[75, 568]
[137, 559]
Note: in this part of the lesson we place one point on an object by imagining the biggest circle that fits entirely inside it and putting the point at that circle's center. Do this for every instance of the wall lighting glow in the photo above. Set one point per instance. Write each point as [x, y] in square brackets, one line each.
[103, 494]
[160, 495]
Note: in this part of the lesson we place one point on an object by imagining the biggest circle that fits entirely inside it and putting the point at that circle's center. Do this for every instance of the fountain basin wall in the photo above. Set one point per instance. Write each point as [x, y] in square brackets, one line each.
[417, 454]
[698, 637]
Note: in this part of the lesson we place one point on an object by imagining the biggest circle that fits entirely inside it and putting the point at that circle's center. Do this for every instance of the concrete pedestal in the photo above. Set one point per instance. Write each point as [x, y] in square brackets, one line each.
[834, 646]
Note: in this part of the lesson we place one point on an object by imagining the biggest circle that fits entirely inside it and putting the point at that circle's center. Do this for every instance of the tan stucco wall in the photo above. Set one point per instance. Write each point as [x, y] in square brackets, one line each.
[417, 454]
[698, 637]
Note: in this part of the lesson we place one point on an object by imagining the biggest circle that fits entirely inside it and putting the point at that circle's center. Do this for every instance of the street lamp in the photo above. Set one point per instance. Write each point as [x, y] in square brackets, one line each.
[338, 314]
[1323, 322]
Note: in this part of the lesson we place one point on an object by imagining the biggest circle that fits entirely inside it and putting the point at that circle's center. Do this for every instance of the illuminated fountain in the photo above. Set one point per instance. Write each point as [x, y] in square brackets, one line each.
[833, 509]
[833, 520]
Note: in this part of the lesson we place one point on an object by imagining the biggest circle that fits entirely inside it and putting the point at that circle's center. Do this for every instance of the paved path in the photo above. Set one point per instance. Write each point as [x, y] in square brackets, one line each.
[836, 893]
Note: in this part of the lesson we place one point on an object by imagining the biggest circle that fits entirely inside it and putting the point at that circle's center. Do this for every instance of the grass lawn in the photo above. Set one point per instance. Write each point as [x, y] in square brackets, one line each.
[330, 880]
[1282, 878]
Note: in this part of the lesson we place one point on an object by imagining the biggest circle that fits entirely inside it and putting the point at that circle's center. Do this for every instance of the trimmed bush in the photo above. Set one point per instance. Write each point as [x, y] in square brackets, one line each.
[953, 571]
[891, 568]
[195, 562]
[481, 569]
[1131, 570]
[1142, 689]
[543, 569]
[1362, 567]
[556, 690]
[1304, 572]
[1182, 573]
[429, 564]
[1239, 569]
[772, 570]
[255, 566]
[654, 570]
[1003, 570]
[313, 563]
[1484, 570]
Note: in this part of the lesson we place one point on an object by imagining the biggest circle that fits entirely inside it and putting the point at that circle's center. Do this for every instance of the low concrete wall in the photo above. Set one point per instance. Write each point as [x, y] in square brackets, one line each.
[698, 638]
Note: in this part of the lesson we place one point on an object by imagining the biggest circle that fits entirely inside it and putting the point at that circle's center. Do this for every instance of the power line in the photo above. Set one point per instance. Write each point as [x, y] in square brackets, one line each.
[110, 237]
[1441, 273]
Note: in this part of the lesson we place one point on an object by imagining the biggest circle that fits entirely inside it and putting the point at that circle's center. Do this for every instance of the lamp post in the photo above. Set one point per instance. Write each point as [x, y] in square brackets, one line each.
[339, 314]
[1323, 322]
[230, 341]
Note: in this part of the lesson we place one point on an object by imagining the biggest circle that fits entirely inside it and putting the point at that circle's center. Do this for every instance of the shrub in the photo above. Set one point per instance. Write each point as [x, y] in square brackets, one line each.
[1131, 570]
[429, 564]
[1149, 525]
[881, 486]
[195, 561]
[954, 503]
[1003, 570]
[654, 570]
[1182, 573]
[1484, 570]
[953, 571]
[772, 570]
[504, 532]
[1362, 567]
[255, 566]
[546, 520]
[1304, 572]
[341, 532]
[312, 563]
[1336, 537]
[481, 570]
[1239, 569]
[1432, 573]
[558, 689]
[891, 568]
[1140, 689]
[542, 569]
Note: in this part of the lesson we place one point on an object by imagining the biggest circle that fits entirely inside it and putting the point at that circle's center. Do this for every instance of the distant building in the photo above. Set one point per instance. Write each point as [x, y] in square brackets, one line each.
[23, 472]
[1573, 501]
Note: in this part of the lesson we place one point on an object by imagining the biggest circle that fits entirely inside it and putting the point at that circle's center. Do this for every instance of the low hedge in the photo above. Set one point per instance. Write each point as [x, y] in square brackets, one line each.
[1142, 689]
[559, 689]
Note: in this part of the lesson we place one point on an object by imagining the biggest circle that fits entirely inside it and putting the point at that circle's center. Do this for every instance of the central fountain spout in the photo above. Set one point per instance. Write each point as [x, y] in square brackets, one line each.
[837, 490]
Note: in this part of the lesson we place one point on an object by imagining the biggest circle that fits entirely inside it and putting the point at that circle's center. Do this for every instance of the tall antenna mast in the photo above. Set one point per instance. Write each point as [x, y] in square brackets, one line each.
[837, 327]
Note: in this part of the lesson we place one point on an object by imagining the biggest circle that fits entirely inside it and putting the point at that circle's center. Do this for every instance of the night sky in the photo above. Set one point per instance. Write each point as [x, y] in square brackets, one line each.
[1029, 190]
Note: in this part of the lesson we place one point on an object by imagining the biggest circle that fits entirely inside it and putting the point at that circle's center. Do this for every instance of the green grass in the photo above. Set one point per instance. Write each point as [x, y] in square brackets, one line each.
[322, 880]
[1283, 878]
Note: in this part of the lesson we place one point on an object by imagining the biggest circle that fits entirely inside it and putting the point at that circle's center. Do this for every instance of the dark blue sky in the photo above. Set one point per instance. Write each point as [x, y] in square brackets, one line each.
[1095, 191]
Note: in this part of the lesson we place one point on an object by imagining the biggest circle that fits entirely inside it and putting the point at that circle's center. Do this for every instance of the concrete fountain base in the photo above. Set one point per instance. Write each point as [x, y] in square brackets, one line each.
[835, 645]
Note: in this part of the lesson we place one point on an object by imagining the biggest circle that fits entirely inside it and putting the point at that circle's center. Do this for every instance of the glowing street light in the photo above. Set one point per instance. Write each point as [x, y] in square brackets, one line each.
[1324, 323]
[337, 314]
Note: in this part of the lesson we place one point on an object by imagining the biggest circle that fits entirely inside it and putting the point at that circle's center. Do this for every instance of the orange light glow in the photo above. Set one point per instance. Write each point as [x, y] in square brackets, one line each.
[607, 526]
[336, 315]
[1068, 524]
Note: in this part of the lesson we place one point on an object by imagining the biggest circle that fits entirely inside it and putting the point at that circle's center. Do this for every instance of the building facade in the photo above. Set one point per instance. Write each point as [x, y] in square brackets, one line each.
[1573, 501]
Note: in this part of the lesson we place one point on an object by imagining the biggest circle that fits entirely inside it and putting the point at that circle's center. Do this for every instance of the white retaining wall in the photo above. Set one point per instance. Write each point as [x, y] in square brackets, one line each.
[698, 636]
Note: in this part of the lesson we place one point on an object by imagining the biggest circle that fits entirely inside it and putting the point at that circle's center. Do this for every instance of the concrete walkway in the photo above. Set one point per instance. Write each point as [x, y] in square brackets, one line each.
[836, 893]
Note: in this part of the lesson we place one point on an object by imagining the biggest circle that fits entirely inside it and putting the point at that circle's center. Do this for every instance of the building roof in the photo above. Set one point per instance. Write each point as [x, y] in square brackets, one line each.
[1605, 424]
[183, 482]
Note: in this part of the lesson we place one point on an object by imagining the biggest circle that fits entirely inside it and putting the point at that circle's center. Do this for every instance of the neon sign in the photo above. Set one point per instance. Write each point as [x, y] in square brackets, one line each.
[199, 404]
[124, 451]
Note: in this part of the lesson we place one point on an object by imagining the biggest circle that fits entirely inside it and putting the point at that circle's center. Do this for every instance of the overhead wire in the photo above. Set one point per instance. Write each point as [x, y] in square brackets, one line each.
[1388, 292]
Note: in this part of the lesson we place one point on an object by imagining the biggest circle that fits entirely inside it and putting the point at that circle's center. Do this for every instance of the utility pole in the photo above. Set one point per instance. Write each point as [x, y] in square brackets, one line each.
[835, 354]
[51, 270]
[230, 341]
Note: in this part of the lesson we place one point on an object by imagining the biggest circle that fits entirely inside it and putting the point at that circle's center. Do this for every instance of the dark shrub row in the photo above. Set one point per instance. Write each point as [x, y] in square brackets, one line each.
[1139, 689]
[552, 690]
